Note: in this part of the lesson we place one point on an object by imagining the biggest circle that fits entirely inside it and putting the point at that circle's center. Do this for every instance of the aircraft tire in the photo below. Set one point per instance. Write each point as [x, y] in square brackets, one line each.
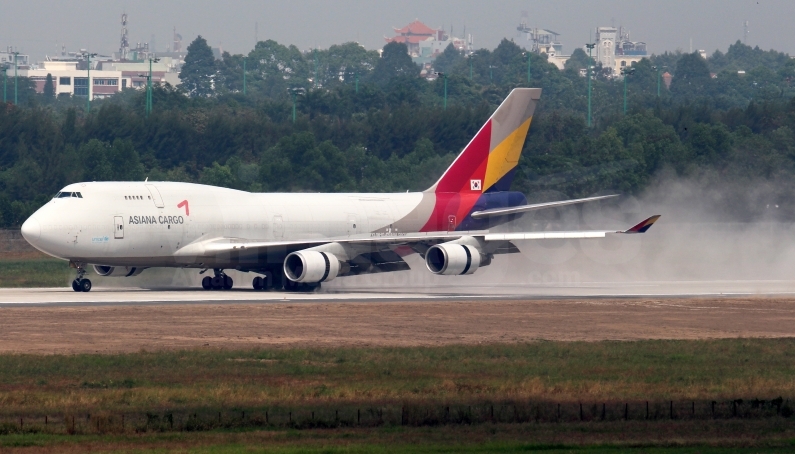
[85, 285]
[257, 283]
[291, 286]
[228, 283]
[217, 282]
[76, 286]
[207, 283]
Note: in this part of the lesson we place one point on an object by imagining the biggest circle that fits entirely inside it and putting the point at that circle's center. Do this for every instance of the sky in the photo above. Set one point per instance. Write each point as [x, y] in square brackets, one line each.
[40, 27]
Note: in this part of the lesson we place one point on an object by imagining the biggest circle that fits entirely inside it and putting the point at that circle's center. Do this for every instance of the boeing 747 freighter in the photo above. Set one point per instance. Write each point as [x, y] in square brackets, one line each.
[298, 241]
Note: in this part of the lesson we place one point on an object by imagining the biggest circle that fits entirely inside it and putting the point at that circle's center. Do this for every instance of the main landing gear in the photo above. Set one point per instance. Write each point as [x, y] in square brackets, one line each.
[80, 284]
[218, 282]
[275, 280]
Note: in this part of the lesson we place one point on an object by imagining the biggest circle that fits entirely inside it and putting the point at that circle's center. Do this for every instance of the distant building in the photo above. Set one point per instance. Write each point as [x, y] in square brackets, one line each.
[543, 41]
[615, 51]
[425, 43]
[667, 78]
[69, 80]
[7, 59]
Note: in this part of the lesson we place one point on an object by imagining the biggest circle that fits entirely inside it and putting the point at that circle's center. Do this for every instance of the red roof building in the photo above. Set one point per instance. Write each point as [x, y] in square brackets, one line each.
[412, 34]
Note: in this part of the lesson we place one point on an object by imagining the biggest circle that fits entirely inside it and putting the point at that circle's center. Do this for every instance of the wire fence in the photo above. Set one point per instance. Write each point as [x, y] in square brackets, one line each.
[406, 414]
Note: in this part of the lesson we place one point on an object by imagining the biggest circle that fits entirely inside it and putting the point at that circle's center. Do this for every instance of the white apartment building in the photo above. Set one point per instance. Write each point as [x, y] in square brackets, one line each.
[67, 79]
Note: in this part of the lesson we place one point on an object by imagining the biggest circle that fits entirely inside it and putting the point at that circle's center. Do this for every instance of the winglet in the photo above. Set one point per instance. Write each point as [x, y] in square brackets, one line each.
[644, 225]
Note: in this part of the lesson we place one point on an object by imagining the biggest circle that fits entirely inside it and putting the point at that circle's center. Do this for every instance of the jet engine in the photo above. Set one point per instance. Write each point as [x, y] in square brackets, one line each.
[452, 259]
[118, 271]
[311, 266]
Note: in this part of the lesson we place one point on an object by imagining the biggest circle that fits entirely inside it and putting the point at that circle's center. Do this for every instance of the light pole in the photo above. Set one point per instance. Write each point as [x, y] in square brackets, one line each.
[88, 66]
[148, 108]
[445, 88]
[491, 73]
[528, 67]
[658, 69]
[314, 52]
[626, 72]
[244, 76]
[470, 67]
[5, 83]
[294, 92]
[16, 99]
[590, 47]
[146, 103]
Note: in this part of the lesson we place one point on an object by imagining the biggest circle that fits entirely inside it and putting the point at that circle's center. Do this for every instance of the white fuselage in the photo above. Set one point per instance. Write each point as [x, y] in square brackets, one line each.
[148, 223]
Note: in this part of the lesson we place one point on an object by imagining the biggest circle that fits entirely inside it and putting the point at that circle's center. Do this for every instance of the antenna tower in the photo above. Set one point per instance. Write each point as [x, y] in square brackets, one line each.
[124, 45]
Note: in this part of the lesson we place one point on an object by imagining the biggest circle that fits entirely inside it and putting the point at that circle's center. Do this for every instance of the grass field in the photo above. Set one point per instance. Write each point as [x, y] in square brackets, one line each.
[34, 272]
[165, 393]
[564, 372]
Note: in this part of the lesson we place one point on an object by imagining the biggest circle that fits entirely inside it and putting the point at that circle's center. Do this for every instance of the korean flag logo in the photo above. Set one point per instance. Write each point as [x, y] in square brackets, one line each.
[475, 185]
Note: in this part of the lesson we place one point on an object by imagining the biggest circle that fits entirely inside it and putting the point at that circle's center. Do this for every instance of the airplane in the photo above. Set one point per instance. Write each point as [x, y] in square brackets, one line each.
[296, 241]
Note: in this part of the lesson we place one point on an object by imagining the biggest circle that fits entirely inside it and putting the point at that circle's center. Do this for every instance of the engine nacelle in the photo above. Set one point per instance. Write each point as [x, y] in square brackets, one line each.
[452, 259]
[118, 271]
[311, 266]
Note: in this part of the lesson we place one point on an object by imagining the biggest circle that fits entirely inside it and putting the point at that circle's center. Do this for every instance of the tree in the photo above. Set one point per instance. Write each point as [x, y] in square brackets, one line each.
[577, 61]
[395, 62]
[49, 88]
[199, 71]
[692, 76]
[448, 59]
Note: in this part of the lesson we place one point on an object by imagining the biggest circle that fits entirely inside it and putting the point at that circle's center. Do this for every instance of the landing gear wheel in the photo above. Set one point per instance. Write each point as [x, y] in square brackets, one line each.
[76, 285]
[217, 282]
[291, 286]
[207, 283]
[85, 285]
[228, 282]
[257, 283]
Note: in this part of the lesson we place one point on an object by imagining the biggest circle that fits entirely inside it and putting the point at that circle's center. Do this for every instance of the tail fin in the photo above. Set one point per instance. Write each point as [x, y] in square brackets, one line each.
[489, 161]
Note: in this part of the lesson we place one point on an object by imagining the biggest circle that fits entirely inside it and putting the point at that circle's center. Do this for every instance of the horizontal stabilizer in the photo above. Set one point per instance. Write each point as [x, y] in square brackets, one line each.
[535, 206]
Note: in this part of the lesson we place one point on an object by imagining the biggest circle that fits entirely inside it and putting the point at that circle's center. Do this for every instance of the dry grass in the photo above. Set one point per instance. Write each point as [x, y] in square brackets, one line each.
[549, 371]
[671, 437]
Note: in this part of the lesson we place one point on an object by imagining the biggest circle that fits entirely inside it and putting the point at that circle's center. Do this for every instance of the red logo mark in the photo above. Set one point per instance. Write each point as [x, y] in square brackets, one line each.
[184, 203]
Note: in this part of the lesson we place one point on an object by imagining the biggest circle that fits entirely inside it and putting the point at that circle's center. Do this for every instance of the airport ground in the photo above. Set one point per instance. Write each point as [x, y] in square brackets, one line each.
[374, 368]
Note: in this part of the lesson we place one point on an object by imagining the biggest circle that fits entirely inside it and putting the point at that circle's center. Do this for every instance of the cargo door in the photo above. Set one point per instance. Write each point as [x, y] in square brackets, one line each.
[118, 227]
[155, 194]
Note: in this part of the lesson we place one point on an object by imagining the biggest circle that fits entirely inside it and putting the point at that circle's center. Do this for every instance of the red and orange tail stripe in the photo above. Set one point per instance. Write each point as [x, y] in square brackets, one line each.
[643, 226]
[487, 163]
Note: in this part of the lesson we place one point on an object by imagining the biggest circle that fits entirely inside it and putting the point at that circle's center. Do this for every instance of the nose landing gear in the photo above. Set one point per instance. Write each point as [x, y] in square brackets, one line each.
[218, 282]
[80, 284]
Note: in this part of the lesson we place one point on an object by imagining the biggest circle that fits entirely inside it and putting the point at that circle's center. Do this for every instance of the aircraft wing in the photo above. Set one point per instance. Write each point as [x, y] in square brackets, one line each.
[382, 242]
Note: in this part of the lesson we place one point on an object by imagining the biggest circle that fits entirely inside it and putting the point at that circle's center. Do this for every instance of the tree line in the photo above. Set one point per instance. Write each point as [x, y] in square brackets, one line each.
[365, 122]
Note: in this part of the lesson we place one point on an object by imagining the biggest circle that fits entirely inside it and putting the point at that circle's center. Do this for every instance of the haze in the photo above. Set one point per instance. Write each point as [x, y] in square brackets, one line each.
[39, 27]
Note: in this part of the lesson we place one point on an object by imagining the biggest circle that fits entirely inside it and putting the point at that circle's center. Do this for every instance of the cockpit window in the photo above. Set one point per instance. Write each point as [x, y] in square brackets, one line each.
[66, 195]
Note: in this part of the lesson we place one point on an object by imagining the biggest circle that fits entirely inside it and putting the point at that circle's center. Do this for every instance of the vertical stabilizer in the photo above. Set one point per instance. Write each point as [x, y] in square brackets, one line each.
[489, 161]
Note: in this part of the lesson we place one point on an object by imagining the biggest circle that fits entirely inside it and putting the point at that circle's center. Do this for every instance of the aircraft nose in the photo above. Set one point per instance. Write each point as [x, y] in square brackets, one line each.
[31, 229]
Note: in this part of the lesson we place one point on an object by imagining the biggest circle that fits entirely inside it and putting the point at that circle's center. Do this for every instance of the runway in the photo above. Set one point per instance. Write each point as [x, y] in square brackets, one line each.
[375, 292]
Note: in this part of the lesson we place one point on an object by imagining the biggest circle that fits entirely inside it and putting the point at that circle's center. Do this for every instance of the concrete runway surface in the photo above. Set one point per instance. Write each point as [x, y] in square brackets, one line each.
[374, 292]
